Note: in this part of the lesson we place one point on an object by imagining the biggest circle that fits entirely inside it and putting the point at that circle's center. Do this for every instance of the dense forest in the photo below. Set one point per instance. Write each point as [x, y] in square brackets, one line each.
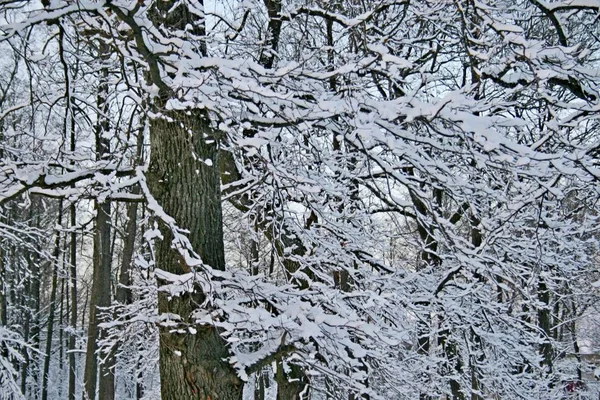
[299, 199]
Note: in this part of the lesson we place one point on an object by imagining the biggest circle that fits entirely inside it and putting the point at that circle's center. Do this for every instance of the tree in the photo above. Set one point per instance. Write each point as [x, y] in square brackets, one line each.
[101, 284]
[459, 137]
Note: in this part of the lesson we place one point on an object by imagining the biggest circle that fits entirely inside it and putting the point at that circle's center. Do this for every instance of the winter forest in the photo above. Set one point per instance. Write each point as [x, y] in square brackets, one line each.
[299, 199]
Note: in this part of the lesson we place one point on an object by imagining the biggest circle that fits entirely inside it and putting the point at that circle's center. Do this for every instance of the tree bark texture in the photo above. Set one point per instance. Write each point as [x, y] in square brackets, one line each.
[291, 385]
[184, 178]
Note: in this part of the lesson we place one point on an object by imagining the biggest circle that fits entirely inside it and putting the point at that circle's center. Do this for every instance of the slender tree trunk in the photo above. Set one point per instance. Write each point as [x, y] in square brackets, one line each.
[573, 330]
[3, 289]
[123, 293]
[3, 300]
[184, 161]
[73, 264]
[100, 297]
[61, 350]
[139, 387]
[254, 254]
[101, 287]
[474, 360]
[27, 319]
[545, 322]
[35, 308]
[428, 257]
[50, 330]
[73, 287]
[259, 385]
[267, 57]
[86, 299]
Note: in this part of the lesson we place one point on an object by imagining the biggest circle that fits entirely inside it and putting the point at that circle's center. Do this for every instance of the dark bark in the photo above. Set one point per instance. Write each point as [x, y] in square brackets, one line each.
[430, 259]
[99, 297]
[86, 298]
[28, 311]
[3, 288]
[545, 324]
[106, 377]
[35, 300]
[259, 385]
[428, 256]
[453, 363]
[61, 320]
[267, 58]
[292, 384]
[73, 288]
[187, 186]
[101, 286]
[139, 387]
[123, 293]
[254, 254]
[50, 328]
[73, 281]
[576, 349]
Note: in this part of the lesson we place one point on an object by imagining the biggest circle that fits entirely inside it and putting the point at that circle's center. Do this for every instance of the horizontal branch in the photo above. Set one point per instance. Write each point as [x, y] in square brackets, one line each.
[44, 182]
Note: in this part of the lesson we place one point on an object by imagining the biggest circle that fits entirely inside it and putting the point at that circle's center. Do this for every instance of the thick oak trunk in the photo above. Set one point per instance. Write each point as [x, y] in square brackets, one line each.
[184, 178]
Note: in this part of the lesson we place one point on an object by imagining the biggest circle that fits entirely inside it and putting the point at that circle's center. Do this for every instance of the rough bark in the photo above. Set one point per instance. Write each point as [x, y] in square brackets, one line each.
[184, 178]
[292, 384]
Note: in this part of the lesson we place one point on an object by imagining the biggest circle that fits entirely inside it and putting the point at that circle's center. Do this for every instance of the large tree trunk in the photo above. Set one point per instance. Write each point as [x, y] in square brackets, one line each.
[184, 179]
